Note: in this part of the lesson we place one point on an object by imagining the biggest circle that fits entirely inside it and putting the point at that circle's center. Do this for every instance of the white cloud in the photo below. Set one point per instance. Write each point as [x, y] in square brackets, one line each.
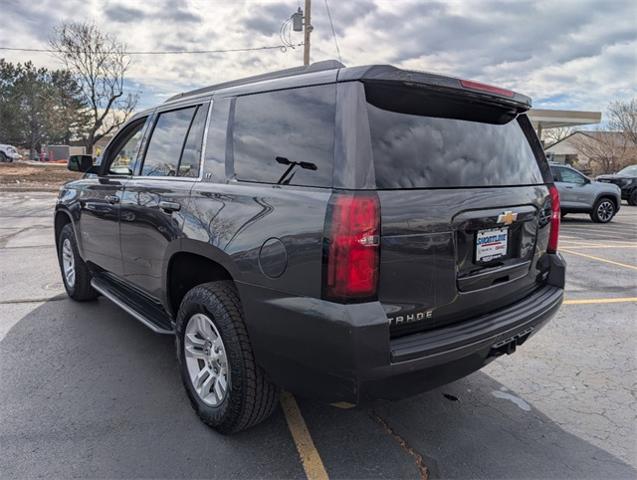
[566, 54]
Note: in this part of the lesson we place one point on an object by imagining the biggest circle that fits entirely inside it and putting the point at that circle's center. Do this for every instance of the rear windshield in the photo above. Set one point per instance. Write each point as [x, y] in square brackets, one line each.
[420, 151]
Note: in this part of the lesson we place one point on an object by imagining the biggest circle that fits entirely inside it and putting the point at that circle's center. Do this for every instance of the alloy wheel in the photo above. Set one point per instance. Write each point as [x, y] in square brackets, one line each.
[605, 211]
[68, 263]
[206, 360]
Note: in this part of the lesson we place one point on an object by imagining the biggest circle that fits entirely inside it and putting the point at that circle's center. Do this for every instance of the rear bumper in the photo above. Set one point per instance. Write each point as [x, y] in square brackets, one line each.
[339, 352]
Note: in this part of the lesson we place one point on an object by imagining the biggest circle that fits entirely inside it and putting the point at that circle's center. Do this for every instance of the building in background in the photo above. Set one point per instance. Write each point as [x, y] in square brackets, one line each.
[547, 119]
[594, 152]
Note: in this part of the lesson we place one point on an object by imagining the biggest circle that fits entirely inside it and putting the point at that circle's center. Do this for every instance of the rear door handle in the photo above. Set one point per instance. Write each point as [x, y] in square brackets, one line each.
[112, 199]
[169, 207]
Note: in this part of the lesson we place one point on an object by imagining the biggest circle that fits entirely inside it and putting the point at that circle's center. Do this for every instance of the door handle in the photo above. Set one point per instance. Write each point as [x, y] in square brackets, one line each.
[169, 207]
[570, 188]
[112, 199]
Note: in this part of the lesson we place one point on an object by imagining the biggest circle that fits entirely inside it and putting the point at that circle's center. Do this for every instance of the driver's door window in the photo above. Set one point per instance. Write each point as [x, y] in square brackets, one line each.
[122, 160]
[570, 176]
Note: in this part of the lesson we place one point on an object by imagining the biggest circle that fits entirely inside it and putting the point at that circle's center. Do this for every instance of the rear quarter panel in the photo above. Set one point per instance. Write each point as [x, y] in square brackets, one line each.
[273, 234]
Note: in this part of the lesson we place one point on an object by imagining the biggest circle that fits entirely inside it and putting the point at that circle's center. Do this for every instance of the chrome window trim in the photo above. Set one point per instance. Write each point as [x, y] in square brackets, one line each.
[204, 144]
[201, 158]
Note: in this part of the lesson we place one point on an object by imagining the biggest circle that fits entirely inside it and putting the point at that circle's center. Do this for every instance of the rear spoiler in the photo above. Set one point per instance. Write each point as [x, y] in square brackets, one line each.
[480, 92]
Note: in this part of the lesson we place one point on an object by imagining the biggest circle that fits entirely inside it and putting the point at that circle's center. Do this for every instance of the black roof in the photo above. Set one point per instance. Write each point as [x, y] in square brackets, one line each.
[330, 71]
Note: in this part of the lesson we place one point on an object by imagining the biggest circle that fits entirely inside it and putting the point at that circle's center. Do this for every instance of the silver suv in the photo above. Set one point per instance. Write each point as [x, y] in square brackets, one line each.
[580, 194]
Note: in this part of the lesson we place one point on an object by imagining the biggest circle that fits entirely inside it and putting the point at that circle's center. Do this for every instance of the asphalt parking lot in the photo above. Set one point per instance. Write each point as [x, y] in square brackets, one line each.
[87, 391]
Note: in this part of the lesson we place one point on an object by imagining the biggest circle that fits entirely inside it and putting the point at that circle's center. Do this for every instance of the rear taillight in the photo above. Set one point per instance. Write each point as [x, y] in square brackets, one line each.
[352, 247]
[555, 219]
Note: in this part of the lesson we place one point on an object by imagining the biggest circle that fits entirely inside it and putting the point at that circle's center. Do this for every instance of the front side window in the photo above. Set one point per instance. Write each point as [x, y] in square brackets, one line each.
[125, 149]
[285, 137]
[628, 171]
[571, 176]
[167, 142]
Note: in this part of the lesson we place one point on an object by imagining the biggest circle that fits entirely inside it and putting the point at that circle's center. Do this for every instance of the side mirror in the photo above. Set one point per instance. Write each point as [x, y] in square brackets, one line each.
[80, 163]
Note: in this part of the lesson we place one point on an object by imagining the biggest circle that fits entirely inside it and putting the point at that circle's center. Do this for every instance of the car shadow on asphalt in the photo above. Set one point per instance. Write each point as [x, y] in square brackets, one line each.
[88, 391]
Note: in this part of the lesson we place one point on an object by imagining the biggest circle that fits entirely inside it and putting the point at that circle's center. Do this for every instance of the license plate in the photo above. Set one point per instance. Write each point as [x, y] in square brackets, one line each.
[491, 244]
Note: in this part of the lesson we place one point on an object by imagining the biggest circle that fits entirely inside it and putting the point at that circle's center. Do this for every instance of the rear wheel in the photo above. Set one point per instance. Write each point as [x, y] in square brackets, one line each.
[603, 211]
[3, 157]
[226, 387]
[75, 273]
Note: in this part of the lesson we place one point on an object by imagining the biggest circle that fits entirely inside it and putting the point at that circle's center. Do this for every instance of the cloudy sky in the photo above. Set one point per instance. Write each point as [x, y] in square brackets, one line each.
[565, 54]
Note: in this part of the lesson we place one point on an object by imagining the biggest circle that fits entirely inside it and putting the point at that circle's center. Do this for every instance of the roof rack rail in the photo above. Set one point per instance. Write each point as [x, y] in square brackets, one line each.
[288, 72]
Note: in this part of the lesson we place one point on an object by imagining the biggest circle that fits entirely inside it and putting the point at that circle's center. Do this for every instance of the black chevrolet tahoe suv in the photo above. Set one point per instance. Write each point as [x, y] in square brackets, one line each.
[343, 233]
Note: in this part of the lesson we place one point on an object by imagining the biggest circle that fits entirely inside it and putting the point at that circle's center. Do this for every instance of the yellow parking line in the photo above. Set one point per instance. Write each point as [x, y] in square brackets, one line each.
[592, 301]
[605, 260]
[310, 458]
[589, 246]
[610, 241]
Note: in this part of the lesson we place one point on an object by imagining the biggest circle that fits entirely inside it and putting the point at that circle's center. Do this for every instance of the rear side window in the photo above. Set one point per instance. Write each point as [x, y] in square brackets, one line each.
[426, 151]
[555, 172]
[285, 137]
[191, 155]
[215, 159]
[166, 142]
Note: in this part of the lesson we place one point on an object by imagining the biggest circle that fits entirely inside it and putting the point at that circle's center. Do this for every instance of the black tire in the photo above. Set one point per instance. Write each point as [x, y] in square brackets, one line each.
[251, 397]
[81, 289]
[3, 157]
[603, 211]
[632, 199]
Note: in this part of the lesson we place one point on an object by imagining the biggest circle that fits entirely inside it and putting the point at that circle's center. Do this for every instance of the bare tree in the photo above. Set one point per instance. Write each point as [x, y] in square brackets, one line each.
[622, 117]
[553, 135]
[99, 63]
[605, 151]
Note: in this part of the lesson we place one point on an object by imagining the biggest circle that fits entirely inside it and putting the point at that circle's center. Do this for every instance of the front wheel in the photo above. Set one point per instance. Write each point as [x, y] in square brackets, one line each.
[632, 199]
[75, 273]
[3, 157]
[226, 387]
[603, 211]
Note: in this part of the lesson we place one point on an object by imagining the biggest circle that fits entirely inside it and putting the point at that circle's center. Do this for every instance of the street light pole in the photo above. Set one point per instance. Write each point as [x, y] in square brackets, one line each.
[307, 32]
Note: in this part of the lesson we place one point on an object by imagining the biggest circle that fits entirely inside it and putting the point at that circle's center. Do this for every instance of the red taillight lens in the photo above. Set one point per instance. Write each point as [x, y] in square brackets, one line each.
[353, 229]
[555, 219]
[483, 87]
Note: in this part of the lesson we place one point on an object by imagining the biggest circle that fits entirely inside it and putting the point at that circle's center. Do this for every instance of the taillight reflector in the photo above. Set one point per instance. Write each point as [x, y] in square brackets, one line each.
[555, 219]
[352, 250]
[483, 87]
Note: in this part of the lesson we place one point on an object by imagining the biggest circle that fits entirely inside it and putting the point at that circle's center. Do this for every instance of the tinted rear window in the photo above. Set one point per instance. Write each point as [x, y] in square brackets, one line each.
[419, 151]
[294, 126]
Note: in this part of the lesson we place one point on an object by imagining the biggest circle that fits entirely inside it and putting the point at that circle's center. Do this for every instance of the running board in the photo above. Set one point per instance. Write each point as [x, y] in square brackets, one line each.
[114, 294]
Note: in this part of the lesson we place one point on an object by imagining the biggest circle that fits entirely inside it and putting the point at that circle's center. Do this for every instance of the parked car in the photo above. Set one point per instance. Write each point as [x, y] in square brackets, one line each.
[580, 194]
[8, 153]
[626, 180]
[343, 233]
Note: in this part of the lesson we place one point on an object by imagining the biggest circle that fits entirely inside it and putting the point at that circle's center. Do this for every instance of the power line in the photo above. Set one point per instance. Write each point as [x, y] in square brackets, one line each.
[167, 52]
[329, 15]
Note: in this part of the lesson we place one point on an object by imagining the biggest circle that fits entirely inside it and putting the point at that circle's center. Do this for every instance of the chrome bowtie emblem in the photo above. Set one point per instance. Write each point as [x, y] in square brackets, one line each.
[507, 217]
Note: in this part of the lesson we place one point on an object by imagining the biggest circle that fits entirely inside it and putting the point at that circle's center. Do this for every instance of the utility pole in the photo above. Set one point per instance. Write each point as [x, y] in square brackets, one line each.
[307, 32]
